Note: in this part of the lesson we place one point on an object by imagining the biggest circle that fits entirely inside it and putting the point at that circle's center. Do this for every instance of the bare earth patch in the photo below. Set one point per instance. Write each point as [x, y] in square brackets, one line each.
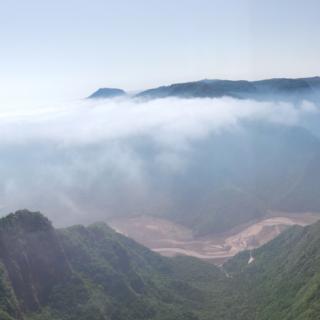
[170, 239]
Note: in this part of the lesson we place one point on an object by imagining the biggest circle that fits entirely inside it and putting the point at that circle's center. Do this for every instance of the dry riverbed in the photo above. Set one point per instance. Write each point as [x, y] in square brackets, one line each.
[170, 239]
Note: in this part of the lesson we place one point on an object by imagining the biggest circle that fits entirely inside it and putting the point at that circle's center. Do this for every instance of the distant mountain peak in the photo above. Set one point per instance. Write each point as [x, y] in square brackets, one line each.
[104, 93]
[282, 89]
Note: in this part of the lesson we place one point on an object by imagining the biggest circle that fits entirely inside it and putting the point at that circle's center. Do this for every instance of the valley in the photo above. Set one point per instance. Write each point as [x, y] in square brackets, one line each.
[160, 160]
[93, 272]
[171, 239]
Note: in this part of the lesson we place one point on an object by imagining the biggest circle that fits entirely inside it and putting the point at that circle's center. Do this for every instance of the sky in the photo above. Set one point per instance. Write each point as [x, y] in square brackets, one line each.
[66, 49]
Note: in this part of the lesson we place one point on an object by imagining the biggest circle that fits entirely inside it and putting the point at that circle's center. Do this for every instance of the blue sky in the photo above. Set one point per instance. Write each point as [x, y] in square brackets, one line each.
[65, 49]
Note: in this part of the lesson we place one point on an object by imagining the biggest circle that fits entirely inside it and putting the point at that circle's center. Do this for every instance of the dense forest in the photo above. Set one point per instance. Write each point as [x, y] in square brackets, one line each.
[95, 273]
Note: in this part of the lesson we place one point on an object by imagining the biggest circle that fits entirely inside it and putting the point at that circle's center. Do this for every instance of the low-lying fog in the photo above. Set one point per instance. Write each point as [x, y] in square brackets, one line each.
[82, 161]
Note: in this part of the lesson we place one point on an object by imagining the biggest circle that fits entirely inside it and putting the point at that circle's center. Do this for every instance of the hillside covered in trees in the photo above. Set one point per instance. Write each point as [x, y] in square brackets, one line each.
[95, 273]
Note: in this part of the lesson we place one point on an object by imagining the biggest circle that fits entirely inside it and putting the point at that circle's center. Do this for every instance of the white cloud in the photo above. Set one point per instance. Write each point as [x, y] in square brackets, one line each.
[92, 158]
[169, 121]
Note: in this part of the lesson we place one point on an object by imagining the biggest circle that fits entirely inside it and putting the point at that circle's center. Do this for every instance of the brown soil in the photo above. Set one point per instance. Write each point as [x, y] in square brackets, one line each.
[170, 239]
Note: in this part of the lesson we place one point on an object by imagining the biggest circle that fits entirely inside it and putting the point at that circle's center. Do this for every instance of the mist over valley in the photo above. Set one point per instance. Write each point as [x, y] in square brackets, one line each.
[206, 164]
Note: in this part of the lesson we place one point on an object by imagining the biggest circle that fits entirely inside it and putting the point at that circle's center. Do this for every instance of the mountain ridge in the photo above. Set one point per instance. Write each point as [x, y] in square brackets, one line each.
[288, 89]
[86, 273]
[103, 275]
[268, 89]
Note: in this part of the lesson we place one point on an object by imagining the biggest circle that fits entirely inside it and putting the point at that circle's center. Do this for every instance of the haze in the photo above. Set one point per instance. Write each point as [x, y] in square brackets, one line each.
[58, 157]
[64, 49]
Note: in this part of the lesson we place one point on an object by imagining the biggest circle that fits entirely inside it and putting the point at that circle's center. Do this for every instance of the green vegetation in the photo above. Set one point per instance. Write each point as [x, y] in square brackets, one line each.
[284, 280]
[95, 273]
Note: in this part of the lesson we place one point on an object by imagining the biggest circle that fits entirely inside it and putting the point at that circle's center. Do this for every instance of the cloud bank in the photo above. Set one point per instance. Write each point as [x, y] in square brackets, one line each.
[88, 122]
[87, 160]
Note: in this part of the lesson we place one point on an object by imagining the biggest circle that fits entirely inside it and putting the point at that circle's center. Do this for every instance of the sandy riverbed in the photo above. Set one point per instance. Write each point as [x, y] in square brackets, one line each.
[170, 239]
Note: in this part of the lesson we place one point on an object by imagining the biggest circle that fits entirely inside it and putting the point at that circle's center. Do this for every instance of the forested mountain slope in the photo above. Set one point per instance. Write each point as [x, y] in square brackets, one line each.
[95, 273]
[283, 281]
